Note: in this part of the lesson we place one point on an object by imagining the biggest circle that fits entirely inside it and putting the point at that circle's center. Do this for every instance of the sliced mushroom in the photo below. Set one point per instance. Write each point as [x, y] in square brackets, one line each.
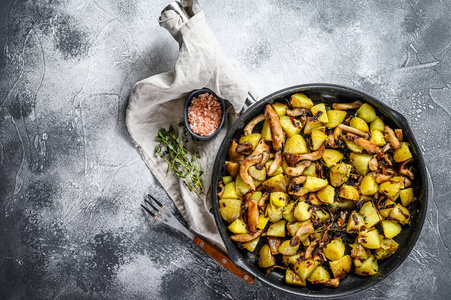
[383, 178]
[263, 199]
[274, 244]
[342, 218]
[353, 130]
[221, 186]
[406, 181]
[233, 155]
[361, 142]
[385, 156]
[399, 135]
[250, 126]
[233, 168]
[316, 256]
[405, 171]
[260, 148]
[337, 132]
[373, 164]
[292, 159]
[296, 112]
[276, 163]
[270, 269]
[299, 180]
[265, 157]
[391, 137]
[321, 255]
[385, 148]
[296, 239]
[298, 169]
[277, 133]
[334, 282]
[310, 248]
[244, 169]
[244, 148]
[245, 237]
[295, 188]
[303, 120]
[334, 139]
[346, 106]
[252, 214]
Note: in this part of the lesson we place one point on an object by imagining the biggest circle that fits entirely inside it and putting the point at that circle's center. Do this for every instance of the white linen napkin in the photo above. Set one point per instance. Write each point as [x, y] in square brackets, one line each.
[158, 101]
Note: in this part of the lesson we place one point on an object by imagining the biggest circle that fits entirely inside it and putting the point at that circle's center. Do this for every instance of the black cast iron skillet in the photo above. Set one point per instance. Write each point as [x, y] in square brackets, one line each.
[328, 94]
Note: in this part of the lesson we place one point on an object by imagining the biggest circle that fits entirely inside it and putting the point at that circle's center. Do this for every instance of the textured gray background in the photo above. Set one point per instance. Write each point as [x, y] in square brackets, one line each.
[71, 182]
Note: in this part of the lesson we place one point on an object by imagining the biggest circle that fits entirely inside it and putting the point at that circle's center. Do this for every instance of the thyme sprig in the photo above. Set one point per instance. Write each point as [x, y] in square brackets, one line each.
[182, 161]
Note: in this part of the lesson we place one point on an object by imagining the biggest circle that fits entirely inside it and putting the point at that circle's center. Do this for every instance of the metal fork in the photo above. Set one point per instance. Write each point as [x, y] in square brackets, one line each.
[157, 211]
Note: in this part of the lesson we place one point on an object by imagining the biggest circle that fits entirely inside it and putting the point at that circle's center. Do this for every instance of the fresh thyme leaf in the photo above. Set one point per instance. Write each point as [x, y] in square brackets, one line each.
[180, 159]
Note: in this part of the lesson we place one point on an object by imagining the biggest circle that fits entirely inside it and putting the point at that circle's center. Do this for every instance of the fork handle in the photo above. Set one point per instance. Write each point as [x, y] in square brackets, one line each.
[222, 259]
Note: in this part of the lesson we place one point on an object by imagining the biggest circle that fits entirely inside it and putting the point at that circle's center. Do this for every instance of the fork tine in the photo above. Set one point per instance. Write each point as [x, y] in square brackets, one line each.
[153, 206]
[153, 198]
[151, 213]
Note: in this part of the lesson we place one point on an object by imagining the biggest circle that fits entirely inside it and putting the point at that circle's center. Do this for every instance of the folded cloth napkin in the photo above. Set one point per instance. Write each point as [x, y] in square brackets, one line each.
[158, 101]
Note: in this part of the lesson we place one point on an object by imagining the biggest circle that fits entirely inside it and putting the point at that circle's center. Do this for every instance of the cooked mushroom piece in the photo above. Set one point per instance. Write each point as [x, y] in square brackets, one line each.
[303, 120]
[233, 168]
[292, 159]
[244, 148]
[296, 239]
[277, 133]
[233, 155]
[337, 132]
[296, 112]
[381, 155]
[334, 139]
[274, 244]
[346, 106]
[310, 248]
[316, 256]
[298, 169]
[383, 178]
[334, 282]
[361, 142]
[276, 163]
[295, 188]
[405, 171]
[298, 180]
[353, 130]
[265, 157]
[385, 148]
[252, 214]
[250, 126]
[399, 135]
[261, 147]
[263, 199]
[270, 269]
[221, 186]
[244, 169]
[245, 237]
[391, 137]
[373, 164]
[406, 181]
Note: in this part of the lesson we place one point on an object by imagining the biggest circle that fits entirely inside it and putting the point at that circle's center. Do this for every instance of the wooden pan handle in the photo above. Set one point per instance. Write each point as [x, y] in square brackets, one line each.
[222, 258]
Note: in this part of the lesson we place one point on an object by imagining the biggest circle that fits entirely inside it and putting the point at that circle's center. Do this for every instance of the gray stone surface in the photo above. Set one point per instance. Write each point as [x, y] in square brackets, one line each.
[71, 183]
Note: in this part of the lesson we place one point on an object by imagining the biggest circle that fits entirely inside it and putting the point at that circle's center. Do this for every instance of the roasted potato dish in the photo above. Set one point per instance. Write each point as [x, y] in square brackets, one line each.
[318, 191]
